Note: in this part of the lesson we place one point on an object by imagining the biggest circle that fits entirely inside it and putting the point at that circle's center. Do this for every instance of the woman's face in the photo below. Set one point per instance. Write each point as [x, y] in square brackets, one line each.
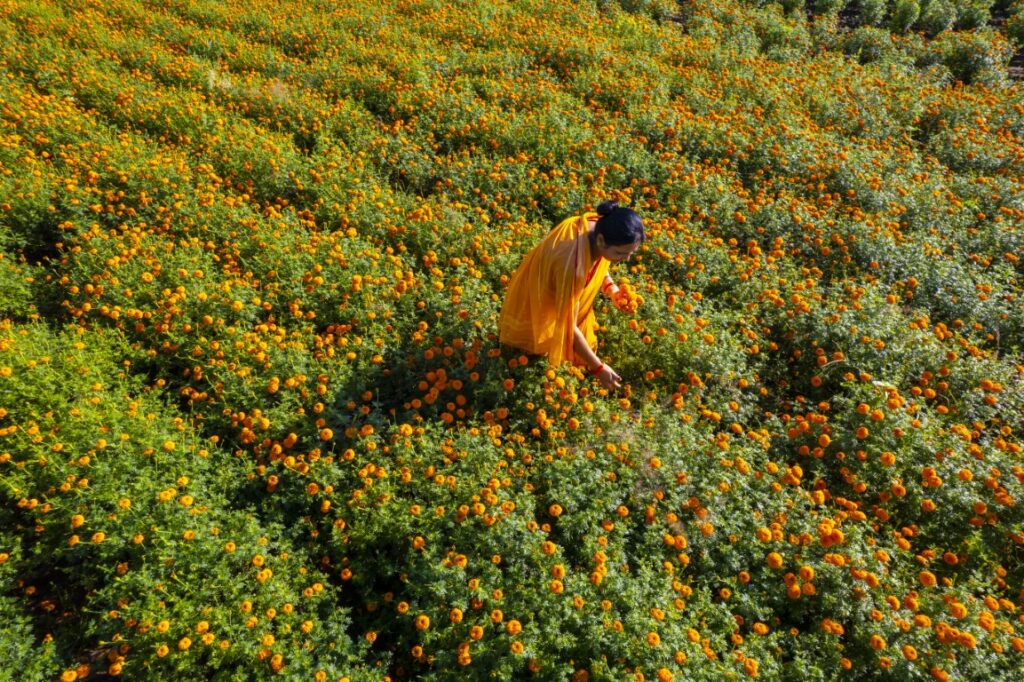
[617, 253]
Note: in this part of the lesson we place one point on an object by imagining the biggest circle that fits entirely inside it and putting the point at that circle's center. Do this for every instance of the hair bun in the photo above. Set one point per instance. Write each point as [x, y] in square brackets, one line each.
[606, 207]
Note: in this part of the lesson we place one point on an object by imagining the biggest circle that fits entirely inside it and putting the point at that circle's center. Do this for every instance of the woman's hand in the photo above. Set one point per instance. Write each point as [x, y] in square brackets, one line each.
[609, 378]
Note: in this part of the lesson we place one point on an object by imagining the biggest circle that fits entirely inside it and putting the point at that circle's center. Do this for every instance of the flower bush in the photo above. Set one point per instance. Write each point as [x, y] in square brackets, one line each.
[255, 419]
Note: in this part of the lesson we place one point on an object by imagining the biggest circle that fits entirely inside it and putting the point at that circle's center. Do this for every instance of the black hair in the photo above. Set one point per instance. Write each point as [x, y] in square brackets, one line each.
[619, 225]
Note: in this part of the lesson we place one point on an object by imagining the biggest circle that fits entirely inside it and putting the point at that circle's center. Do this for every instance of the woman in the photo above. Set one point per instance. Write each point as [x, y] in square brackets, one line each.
[548, 309]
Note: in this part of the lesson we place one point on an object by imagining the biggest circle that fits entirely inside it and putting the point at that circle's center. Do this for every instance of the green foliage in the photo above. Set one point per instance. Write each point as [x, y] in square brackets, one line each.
[656, 9]
[973, 57]
[868, 44]
[873, 12]
[936, 16]
[903, 15]
[828, 6]
[1015, 29]
[255, 417]
[973, 14]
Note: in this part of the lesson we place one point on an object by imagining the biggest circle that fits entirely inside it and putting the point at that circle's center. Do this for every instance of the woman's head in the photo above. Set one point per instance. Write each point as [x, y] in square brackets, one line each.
[618, 231]
[618, 225]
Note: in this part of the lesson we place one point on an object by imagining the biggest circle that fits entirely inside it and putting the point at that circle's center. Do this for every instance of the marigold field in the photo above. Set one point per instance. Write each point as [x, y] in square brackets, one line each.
[255, 420]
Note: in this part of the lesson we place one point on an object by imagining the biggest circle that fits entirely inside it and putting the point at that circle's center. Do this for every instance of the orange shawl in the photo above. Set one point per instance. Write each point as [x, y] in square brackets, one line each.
[550, 291]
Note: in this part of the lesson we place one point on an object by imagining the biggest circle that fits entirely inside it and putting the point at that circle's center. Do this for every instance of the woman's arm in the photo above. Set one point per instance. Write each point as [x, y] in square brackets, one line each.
[608, 287]
[583, 350]
[607, 376]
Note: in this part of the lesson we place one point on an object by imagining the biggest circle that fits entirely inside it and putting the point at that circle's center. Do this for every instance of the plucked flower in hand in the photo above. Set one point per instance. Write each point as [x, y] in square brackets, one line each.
[627, 299]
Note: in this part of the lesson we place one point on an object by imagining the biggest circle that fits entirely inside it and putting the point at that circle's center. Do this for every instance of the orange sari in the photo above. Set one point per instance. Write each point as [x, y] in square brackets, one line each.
[552, 291]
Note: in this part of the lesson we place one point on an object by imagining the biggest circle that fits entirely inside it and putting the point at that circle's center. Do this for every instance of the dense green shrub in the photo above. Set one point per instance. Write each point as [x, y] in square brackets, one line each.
[255, 418]
[868, 44]
[904, 14]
